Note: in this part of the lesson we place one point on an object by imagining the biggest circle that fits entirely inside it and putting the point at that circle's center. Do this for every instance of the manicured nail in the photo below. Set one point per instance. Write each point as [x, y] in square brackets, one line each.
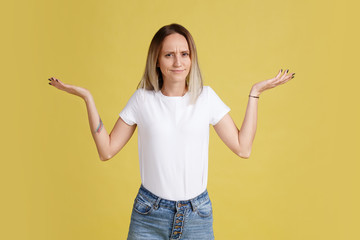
[49, 83]
[281, 70]
[287, 70]
[49, 79]
[57, 80]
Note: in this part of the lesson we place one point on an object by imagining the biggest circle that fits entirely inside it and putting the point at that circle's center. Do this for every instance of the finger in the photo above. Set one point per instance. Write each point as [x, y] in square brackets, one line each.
[289, 77]
[285, 75]
[53, 79]
[280, 72]
[286, 80]
[277, 77]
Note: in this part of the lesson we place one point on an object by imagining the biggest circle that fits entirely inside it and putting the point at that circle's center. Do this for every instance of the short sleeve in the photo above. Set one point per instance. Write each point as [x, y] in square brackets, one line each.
[130, 112]
[217, 108]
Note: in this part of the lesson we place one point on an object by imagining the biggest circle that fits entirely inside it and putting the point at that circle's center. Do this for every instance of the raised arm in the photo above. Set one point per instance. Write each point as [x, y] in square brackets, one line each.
[107, 146]
[240, 141]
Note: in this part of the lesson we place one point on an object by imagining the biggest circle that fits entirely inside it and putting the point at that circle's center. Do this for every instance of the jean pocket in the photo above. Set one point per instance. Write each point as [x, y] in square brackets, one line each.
[142, 206]
[204, 209]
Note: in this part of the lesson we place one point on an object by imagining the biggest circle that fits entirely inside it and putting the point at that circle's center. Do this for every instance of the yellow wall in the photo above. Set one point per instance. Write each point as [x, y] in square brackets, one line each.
[302, 179]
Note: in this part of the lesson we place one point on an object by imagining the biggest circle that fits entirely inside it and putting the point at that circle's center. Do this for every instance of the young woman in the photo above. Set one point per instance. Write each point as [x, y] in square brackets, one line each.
[173, 111]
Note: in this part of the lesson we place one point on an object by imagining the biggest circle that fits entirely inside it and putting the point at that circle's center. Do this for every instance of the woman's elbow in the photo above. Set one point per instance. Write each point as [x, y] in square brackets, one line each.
[105, 158]
[245, 155]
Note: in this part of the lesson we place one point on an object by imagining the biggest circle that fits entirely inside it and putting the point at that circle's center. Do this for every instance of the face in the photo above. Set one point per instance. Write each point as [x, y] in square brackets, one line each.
[174, 58]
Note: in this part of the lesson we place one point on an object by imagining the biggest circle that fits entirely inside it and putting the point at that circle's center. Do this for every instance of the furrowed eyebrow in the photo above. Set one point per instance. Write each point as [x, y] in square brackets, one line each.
[173, 51]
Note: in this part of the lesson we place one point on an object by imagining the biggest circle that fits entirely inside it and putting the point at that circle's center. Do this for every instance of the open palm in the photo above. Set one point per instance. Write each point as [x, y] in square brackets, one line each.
[281, 78]
[76, 90]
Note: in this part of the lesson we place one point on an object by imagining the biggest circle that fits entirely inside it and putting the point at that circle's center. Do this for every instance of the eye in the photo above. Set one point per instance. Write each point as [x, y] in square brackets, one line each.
[168, 55]
[185, 54]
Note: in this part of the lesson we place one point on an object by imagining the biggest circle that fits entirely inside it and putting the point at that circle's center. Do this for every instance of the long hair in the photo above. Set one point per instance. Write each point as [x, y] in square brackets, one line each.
[152, 78]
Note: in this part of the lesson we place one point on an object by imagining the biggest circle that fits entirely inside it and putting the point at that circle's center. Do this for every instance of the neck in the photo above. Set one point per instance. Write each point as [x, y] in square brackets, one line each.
[177, 89]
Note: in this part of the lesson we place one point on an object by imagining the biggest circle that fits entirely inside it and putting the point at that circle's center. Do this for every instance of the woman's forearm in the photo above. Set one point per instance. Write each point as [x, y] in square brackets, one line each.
[248, 127]
[98, 131]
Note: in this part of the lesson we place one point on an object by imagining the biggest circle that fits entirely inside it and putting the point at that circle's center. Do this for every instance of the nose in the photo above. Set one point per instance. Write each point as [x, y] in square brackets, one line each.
[177, 61]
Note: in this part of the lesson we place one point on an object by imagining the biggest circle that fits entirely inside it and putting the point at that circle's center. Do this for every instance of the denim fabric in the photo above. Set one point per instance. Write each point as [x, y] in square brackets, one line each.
[154, 218]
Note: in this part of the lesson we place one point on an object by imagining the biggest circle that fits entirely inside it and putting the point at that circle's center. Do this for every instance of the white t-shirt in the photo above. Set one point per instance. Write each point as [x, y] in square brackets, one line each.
[173, 140]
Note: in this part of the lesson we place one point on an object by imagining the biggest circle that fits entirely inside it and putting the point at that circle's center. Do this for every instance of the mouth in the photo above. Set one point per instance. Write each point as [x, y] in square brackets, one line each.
[178, 71]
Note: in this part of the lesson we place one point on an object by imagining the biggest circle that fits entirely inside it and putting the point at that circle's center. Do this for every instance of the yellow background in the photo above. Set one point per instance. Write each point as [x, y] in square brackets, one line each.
[301, 180]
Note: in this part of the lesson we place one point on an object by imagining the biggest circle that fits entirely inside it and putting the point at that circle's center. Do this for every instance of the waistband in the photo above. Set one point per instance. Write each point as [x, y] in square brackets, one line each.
[158, 201]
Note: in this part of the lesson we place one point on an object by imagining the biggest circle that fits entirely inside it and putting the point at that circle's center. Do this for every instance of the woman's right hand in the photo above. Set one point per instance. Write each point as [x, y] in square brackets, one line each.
[78, 91]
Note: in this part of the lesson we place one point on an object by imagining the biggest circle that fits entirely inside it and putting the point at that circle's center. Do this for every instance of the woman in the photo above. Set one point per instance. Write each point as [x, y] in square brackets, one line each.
[173, 111]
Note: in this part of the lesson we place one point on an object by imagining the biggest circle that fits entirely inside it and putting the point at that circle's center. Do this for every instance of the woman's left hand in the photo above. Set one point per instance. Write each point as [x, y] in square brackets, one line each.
[281, 78]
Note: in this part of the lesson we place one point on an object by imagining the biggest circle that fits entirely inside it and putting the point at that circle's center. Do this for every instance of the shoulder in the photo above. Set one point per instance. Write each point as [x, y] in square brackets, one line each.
[212, 95]
[205, 92]
[208, 91]
[205, 89]
[141, 94]
[142, 91]
[202, 94]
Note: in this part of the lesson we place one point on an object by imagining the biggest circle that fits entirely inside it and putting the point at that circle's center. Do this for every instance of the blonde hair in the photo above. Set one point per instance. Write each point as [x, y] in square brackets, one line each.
[152, 78]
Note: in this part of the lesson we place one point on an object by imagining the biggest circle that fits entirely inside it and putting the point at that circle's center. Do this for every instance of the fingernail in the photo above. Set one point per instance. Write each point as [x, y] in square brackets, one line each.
[281, 70]
[49, 79]
[57, 80]
[49, 83]
[287, 70]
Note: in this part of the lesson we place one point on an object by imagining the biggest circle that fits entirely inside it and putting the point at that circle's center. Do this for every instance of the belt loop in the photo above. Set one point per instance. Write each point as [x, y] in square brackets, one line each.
[193, 205]
[156, 204]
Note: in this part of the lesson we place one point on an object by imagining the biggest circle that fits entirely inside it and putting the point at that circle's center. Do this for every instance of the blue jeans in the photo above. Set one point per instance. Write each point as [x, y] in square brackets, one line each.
[154, 218]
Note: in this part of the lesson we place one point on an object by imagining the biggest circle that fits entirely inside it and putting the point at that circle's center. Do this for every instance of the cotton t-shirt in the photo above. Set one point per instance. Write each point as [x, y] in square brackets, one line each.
[173, 140]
